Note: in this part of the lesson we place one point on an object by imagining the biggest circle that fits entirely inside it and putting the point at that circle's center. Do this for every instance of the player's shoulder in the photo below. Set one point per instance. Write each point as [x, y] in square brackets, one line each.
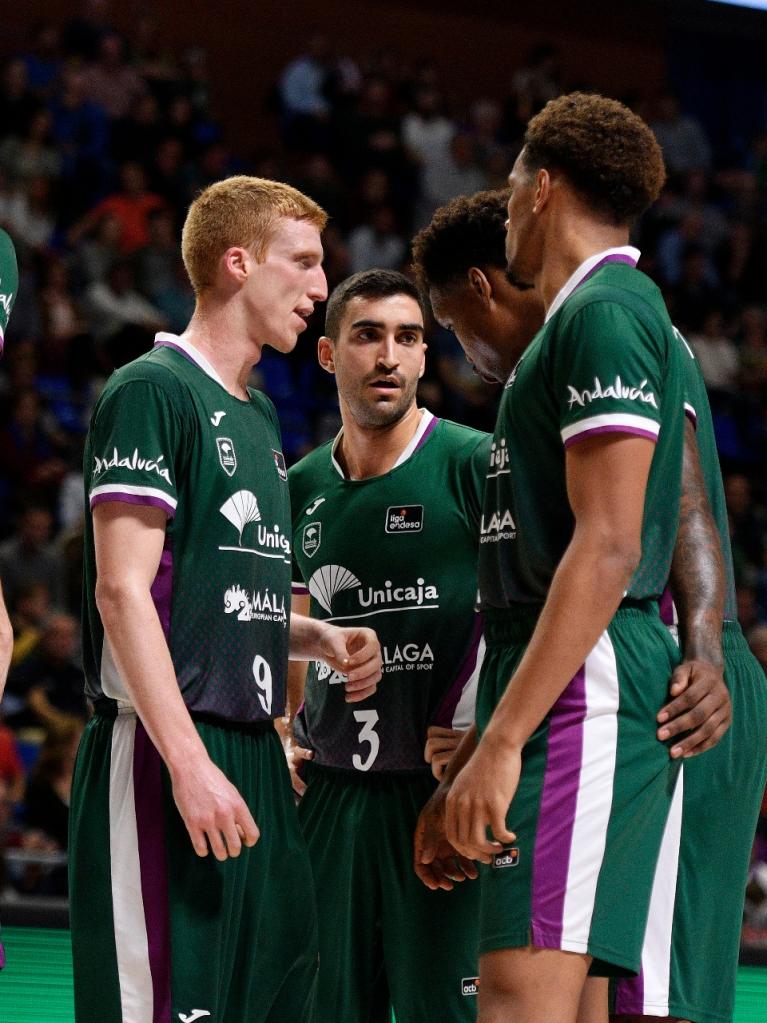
[462, 441]
[149, 370]
[617, 288]
[306, 474]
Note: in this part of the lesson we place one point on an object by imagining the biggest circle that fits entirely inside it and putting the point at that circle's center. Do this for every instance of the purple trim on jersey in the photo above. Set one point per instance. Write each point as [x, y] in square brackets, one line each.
[614, 257]
[2, 956]
[616, 428]
[446, 710]
[119, 495]
[629, 995]
[150, 828]
[426, 433]
[299, 590]
[666, 608]
[2, 345]
[162, 586]
[556, 817]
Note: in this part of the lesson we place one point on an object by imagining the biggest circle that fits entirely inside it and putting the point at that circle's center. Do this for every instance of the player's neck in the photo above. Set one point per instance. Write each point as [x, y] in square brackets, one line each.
[226, 344]
[364, 452]
[569, 243]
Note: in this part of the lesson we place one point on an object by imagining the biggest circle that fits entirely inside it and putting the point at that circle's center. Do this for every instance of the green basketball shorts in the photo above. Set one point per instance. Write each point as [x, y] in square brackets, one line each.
[690, 952]
[594, 795]
[160, 934]
[381, 929]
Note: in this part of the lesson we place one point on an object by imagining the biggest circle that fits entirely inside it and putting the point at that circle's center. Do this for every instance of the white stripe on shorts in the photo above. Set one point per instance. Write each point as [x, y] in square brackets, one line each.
[656, 950]
[135, 978]
[595, 794]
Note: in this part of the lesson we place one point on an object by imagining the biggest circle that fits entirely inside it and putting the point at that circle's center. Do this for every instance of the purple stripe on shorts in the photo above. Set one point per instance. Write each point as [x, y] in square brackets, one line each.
[426, 433]
[446, 710]
[119, 495]
[299, 590]
[556, 818]
[629, 995]
[2, 956]
[667, 607]
[150, 826]
[615, 428]
[162, 586]
[614, 257]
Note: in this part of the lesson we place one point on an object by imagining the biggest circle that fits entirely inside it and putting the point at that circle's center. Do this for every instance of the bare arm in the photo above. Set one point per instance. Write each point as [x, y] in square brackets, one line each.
[6, 643]
[606, 484]
[129, 542]
[701, 703]
[295, 697]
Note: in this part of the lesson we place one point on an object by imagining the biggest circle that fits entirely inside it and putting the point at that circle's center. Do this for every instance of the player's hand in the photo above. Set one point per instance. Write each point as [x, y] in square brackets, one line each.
[296, 757]
[441, 744]
[436, 862]
[700, 705]
[479, 799]
[356, 653]
[214, 812]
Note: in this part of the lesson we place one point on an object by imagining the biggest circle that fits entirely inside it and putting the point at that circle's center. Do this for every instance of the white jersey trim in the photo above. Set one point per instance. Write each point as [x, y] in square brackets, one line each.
[165, 338]
[617, 422]
[584, 270]
[426, 420]
[134, 491]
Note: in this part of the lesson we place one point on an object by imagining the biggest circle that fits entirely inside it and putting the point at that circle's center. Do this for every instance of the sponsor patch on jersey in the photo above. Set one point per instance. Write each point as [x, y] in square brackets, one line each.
[227, 456]
[469, 986]
[311, 538]
[404, 518]
[506, 858]
[279, 465]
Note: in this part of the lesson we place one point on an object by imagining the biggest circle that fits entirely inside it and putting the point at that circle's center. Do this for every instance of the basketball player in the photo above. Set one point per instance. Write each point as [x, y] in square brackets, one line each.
[385, 532]
[187, 636]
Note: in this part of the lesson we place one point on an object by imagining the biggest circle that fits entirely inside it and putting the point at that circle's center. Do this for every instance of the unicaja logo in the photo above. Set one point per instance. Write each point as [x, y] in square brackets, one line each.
[617, 389]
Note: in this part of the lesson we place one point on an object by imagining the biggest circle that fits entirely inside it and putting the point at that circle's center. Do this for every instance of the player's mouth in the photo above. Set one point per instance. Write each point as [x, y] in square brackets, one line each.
[386, 385]
[303, 314]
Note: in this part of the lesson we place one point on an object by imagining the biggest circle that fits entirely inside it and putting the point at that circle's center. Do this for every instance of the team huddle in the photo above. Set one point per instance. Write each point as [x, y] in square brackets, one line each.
[525, 736]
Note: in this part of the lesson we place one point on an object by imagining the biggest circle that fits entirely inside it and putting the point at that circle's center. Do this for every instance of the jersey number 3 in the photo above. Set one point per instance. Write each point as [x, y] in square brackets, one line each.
[368, 719]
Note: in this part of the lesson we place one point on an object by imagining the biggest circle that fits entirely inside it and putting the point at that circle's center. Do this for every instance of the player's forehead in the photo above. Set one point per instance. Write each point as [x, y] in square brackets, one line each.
[391, 312]
[291, 236]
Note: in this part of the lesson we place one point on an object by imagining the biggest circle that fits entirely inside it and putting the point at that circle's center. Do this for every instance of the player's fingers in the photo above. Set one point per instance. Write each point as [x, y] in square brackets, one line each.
[369, 668]
[197, 836]
[299, 785]
[681, 703]
[216, 842]
[702, 738]
[708, 743]
[363, 647]
[357, 693]
[249, 832]
[303, 754]
[696, 717]
[232, 832]
[498, 826]
[425, 871]
[469, 867]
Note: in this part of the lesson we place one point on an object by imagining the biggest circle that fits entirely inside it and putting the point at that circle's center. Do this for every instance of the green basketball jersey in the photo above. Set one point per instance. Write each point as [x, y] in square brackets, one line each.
[397, 553]
[166, 432]
[697, 407]
[606, 360]
[9, 282]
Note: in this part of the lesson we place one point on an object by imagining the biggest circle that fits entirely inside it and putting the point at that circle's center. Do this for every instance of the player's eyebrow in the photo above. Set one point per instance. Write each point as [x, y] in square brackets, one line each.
[380, 325]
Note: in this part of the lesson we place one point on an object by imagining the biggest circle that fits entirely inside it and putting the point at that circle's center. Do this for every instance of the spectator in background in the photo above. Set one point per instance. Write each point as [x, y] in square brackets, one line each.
[457, 174]
[157, 262]
[46, 690]
[682, 139]
[132, 206]
[29, 218]
[80, 132]
[11, 767]
[43, 59]
[377, 243]
[31, 459]
[426, 131]
[46, 801]
[748, 525]
[716, 354]
[29, 557]
[110, 81]
[17, 101]
[114, 304]
[303, 99]
[696, 293]
[98, 251]
[140, 131]
[31, 154]
[30, 609]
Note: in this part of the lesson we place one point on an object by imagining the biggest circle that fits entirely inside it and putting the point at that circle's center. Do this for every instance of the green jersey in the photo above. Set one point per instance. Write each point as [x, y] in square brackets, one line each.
[697, 408]
[9, 282]
[166, 432]
[397, 553]
[606, 360]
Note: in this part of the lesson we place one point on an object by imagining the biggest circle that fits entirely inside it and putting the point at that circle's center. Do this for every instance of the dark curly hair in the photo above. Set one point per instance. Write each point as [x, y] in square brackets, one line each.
[606, 151]
[466, 232]
[366, 284]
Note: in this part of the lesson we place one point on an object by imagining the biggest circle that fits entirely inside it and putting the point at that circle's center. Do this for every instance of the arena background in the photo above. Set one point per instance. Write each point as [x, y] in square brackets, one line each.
[113, 115]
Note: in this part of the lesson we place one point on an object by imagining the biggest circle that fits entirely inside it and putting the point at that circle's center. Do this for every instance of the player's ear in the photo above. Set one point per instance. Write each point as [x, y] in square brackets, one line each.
[542, 189]
[236, 263]
[325, 354]
[479, 284]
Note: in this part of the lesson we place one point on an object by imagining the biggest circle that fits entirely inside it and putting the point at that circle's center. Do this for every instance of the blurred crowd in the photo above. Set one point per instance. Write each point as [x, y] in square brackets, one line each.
[105, 139]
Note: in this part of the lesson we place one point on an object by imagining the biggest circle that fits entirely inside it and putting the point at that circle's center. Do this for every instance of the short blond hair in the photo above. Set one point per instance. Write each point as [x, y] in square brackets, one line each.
[238, 211]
